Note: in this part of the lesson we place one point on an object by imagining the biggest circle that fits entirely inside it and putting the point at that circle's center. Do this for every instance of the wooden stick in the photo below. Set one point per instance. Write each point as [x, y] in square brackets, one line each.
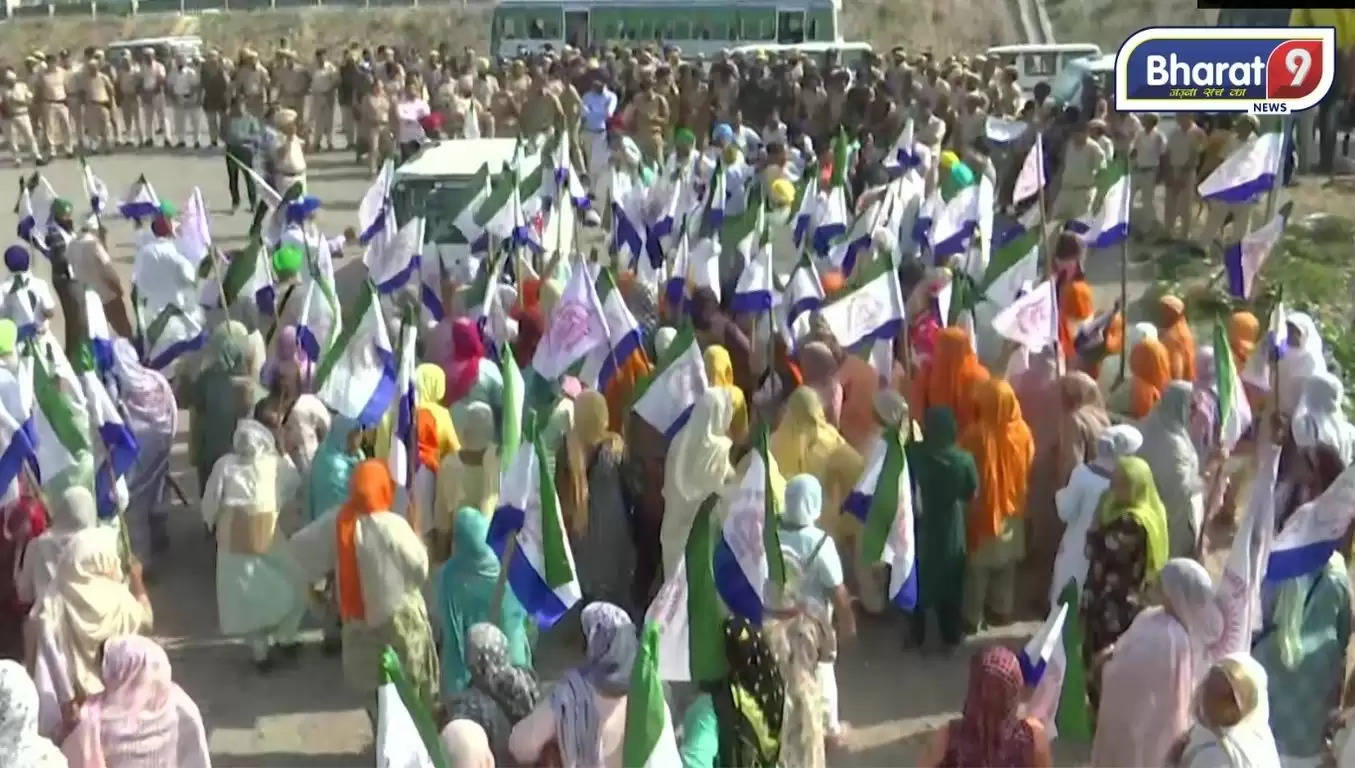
[496, 608]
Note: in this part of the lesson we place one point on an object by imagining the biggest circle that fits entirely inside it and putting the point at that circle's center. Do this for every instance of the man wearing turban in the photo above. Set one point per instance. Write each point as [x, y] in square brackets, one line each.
[27, 299]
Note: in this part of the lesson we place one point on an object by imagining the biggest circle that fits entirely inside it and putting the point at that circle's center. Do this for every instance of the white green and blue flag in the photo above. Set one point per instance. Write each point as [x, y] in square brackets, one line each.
[140, 202]
[1244, 259]
[874, 310]
[649, 741]
[665, 399]
[1249, 172]
[357, 374]
[748, 536]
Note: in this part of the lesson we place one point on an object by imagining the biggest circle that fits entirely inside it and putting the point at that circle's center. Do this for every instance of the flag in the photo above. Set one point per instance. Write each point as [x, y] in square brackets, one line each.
[432, 275]
[885, 491]
[575, 328]
[392, 255]
[35, 209]
[954, 223]
[1234, 412]
[1239, 586]
[1044, 663]
[58, 432]
[18, 434]
[903, 156]
[1073, 719]
[194, 238]
[1245, 258]
[1031, 179]
[120, 447]
[564, 182]
[100, 334]
[665, 399]
[514, 394]
[748, 535]
[873, 311]
[717, 195]
[756, 291]
[401, 451]
[356, 376]
[1109, 224]
[1313, 531]
[625, 335]
[628, 220]
[541, 572]
[803, 294]
[1257, 371]
[1015, 260]
[250, 273]
[96, 191]
[1038, 651]
[406, 736]
[1248, 172]
[172, 334]
[834, 212]
[806, 206]
[687, 606]
[479, 185]
[140, 202]
[649, 741]
[375, 205]
[1031, 319]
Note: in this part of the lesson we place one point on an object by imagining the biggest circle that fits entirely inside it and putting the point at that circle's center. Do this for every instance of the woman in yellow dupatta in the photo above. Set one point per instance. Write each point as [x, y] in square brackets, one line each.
[720, 372]
[805, 443]
[1003, 451]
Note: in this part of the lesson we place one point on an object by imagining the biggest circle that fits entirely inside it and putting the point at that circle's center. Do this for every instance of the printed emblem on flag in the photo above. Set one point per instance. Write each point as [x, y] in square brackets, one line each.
[866, 310]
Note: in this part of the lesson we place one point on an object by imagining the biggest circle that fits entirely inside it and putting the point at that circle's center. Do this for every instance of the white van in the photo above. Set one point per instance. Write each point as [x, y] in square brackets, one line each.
[1067, 87]
[441, 180]
[1041, 62]
[166, 47]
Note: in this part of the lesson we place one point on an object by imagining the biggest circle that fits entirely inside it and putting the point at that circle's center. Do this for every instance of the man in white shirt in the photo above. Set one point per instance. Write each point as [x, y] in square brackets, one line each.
[1145, 156]
[161, 274]
[599, 104]
[186, 87]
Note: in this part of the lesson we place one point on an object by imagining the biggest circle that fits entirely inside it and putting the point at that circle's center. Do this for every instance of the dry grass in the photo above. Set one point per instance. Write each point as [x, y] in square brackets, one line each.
[942, 26]
[1108, 22]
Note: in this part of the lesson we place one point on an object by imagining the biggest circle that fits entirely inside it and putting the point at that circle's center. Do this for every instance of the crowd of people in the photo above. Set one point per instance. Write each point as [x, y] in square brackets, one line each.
[1030, 489]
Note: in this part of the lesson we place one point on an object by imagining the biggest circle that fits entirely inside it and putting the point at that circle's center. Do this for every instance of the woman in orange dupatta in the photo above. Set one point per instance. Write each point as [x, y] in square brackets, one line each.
[380, 566]
[1174, 333]
[1150, 372]
[951, 377]
[1003, 450]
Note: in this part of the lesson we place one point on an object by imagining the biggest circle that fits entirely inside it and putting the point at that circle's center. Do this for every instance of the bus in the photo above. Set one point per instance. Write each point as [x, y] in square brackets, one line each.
[696, 28]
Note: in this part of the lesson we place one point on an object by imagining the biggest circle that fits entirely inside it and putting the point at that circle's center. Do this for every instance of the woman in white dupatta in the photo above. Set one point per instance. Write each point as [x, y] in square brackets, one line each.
[1170, 453]
[142, 719]
[1318, 419]
[89, 602]
[697, 466]
[20, 742]
[259, 593]
[73, 510]
[1232, 713]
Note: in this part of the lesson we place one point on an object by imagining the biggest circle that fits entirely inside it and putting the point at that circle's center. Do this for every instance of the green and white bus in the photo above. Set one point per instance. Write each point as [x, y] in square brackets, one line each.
[696, 27]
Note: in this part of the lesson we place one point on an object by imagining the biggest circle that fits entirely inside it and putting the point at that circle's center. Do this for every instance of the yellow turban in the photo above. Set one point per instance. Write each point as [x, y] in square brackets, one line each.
[949, 158]
[783, 193]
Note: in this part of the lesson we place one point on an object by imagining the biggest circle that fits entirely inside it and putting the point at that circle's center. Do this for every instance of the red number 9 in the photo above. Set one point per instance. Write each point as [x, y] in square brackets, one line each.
[1294, 69]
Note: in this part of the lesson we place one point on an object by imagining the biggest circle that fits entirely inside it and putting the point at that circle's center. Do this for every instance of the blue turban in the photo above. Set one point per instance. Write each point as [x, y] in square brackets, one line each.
[298, 210]
[16, 258]
[723, 133]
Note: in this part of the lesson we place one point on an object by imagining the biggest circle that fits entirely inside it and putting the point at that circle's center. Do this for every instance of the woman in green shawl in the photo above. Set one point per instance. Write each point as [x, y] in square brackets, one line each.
[334, 460]
[947, 480]
[1126, 548]
[466, 596]
[223, 393]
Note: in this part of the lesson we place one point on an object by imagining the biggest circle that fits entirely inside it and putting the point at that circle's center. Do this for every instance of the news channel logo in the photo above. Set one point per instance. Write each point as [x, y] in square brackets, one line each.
[1268, 70]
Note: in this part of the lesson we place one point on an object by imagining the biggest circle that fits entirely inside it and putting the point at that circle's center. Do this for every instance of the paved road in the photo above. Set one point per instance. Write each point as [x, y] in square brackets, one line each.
[303, 715]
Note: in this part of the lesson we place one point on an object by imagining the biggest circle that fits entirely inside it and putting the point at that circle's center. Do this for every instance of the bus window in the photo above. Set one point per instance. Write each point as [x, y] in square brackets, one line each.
[1040, 64]
[537, 30]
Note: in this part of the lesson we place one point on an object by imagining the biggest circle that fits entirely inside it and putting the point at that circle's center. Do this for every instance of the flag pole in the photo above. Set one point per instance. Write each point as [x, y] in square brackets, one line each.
[1124, 292]
[1048, 258]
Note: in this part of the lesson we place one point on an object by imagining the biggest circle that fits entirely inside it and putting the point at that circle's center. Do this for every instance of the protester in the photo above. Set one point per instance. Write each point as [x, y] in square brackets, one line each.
[1175, 467]
[140, 716]
[585, 714]
[20, 742]
[1231, 718]
[697, 466]
[602, 536]
[1148, 685]
[223, 393]
[951, 378]
[1174, 333]
[990, 730]
[467, 584]
[500, 694]
[152, 413]
[259, 594]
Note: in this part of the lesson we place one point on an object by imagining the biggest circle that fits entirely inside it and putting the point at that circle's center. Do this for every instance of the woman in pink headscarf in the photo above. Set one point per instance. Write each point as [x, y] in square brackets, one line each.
[141, 718]
[288, 354]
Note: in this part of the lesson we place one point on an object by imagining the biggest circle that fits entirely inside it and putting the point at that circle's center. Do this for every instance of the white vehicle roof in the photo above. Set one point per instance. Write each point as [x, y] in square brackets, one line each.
[452, 158]
[172, 41]
[813, 47]
[1004, 50]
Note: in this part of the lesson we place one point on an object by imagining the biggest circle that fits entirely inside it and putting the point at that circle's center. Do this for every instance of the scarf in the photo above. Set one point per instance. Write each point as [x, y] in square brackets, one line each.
[952, 377]
[1138, 499]
[1248, 743]
[20, 743]
[1075, 308]
[1003, 451]
[1243, 330]
[88, 603]
[1175, 335]
[331, 469]
[990, 730]
[804, 440]
[612, 645]
[1318, 419]
[513, 689]
[434, 433]
[463, 369]
[1151, 371]
[135, 718]
[370, 490]
[757, 693]
[1084, 419]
